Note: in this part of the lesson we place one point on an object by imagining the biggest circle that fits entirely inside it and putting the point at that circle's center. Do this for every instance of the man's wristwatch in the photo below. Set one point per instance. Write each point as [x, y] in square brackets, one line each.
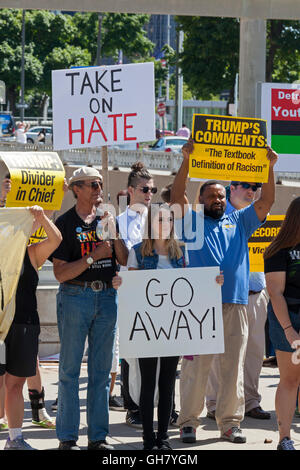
[90, 260]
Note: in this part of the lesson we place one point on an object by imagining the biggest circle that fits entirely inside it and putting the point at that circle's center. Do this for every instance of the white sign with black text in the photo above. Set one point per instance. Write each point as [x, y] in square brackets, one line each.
[101, 106]
[170, 312]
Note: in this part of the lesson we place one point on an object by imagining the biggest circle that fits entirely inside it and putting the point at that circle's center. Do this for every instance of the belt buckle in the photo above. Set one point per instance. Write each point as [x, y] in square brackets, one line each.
[97, 286]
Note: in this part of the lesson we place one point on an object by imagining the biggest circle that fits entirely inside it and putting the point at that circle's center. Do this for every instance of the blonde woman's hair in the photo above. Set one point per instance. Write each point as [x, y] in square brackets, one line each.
[172, 245]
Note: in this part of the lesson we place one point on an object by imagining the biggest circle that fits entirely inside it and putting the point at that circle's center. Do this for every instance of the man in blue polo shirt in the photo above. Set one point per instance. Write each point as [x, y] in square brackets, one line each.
[242, 194]
[225, 245]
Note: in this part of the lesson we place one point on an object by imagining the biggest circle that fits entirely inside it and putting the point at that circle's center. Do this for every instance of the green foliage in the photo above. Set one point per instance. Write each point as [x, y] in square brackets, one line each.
[60, 41]
[125, 32]
[211, 53]
[210, 59]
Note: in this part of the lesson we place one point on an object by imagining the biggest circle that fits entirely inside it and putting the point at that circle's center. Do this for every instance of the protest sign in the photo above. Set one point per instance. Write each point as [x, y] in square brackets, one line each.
[37, 179]
[38, 236]
[280, 107]
[170, 312]
[229, 148]
[262, 238]
[15, 228]
[101, 106]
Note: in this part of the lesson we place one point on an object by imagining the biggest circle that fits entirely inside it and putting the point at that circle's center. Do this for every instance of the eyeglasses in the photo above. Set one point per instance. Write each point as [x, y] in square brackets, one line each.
[94, 184]
[146, 189]
[254, 187]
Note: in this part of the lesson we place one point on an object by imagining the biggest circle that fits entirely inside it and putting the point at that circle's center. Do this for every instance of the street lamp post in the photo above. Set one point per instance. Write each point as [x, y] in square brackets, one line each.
[23, 68]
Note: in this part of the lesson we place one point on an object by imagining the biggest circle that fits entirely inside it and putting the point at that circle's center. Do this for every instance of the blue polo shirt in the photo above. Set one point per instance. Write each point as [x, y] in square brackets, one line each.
[257, 280]
[226, 245]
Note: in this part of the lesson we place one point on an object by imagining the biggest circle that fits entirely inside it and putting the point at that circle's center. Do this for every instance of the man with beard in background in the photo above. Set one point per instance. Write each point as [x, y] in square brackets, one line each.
[225, 245]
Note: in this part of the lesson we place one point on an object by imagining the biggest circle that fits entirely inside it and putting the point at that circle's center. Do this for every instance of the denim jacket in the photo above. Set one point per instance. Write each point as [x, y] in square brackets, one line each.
[150, 262]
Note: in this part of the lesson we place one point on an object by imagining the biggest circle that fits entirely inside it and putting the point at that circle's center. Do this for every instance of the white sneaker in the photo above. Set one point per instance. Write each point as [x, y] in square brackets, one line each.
[234, 435]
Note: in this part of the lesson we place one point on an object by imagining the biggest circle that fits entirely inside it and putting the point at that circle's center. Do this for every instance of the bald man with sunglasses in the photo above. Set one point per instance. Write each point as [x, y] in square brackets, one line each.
[241, 195]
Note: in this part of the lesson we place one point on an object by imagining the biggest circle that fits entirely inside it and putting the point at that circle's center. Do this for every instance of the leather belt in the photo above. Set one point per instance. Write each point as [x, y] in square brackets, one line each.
[96, 286]
[253, 292]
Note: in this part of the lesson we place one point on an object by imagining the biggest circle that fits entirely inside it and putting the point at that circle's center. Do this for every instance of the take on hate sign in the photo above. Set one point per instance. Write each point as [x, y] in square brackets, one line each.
[97, 106]
[170, 312]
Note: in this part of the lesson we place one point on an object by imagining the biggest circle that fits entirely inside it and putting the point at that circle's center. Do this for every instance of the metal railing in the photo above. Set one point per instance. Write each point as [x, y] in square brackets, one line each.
[117, 158]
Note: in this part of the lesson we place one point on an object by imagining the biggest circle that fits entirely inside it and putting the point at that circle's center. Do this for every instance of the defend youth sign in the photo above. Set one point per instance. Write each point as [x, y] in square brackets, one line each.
[37, 179]
[261, 239]
[280, 106]
[99, 106]
[170, 312]
[229, 148]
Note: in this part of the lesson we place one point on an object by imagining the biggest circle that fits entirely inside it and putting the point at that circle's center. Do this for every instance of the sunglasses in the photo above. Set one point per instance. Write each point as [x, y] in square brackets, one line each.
[146, 189]
[254, 187]
[94, 184]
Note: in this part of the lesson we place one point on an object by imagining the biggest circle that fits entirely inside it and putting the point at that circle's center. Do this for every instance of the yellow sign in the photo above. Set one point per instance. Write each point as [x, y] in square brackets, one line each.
[38, 236]
[229, 148]
[262, 238]
[37, 179]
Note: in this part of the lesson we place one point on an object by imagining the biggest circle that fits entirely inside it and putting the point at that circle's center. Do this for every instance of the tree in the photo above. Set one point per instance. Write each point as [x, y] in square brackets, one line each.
[210, 59]
[120, 31]
[283, 51]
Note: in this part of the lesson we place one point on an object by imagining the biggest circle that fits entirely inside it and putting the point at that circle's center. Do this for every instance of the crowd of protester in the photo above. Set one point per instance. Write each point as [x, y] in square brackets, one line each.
[89, 266]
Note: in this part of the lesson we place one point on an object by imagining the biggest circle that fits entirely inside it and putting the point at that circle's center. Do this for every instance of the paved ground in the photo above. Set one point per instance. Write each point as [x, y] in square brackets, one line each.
[124, 437]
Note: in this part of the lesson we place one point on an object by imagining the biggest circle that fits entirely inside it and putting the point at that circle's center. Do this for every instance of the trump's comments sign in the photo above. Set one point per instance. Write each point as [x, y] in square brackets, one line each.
[98, 106]
[170, 312]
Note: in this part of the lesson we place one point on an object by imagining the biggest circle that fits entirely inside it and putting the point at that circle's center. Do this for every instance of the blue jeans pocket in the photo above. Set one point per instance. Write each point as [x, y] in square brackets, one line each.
[69, 289]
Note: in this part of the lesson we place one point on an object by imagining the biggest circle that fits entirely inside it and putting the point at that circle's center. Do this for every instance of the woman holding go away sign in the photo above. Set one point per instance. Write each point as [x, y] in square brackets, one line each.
[158, 250]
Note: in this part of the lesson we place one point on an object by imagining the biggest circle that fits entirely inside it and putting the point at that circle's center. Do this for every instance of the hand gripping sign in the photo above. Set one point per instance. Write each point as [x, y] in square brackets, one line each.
[170, 312]
[229, 148]
[37, 179]
[101, 106]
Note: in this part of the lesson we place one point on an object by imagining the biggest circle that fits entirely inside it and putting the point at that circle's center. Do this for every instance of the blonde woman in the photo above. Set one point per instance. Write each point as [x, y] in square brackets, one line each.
[158, 250]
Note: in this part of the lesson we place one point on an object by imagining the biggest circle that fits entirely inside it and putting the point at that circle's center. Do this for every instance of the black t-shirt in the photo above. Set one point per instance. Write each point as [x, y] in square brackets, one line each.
[80, 239]
[288, 260]
[26, 303]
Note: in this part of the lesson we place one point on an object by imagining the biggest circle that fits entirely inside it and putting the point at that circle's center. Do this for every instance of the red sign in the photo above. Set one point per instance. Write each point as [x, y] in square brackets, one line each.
[285, 104]
[161, 109]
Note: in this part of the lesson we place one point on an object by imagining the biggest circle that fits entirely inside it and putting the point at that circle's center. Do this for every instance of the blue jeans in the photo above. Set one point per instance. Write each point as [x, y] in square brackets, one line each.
[83, 313]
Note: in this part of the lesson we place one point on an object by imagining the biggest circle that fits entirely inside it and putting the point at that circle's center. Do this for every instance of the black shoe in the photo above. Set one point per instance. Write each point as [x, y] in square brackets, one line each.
[133, 419]
[99, 445]
[149, 445]
[164, 445]
[54, 405]
[258, 413]
[211, 415]
[68, 445]
[188, 434]
[270, 362]
[115, 404]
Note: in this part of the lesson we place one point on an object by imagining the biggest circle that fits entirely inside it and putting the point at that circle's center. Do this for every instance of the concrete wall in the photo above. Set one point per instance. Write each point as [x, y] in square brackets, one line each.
[276, 9]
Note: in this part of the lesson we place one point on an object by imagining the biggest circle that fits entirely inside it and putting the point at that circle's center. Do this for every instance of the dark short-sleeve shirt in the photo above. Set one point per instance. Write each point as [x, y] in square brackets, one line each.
[288, 260]
[79, 240]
